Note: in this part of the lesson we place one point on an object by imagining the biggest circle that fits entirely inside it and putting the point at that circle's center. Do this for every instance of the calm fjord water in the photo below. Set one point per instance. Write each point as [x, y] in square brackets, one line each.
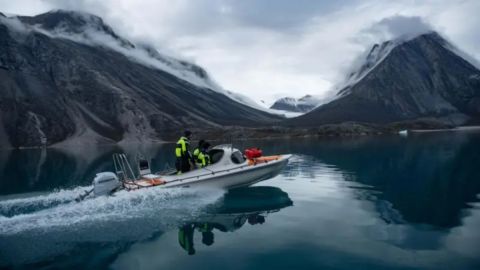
[363, 203]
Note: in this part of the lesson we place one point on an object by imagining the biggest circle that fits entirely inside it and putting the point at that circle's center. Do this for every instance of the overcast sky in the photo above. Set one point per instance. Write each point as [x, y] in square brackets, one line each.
[272, 48]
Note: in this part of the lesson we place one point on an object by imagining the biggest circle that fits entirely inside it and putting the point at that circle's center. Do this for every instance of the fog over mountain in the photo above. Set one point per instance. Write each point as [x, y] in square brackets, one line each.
[408, 78]
[68, 77]
[265, 50]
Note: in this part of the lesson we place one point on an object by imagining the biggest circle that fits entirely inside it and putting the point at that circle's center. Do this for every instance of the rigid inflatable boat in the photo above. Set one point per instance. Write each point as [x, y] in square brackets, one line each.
[229, 168]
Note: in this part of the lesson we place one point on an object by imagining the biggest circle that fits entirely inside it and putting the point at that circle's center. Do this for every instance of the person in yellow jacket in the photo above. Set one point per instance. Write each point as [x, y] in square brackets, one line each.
[182, 153]
[185, 238]
[203, 158]
[197, 150]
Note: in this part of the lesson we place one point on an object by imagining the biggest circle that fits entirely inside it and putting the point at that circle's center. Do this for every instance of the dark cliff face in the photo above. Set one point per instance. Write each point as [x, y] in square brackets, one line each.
[54, 89]
[418, 78]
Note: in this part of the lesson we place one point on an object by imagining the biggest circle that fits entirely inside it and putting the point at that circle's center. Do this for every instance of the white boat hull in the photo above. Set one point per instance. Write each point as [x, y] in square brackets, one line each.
[243, 175]
[229, 170]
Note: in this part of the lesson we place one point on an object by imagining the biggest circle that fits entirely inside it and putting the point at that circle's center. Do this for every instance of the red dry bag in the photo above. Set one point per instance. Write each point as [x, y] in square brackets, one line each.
[253, 153]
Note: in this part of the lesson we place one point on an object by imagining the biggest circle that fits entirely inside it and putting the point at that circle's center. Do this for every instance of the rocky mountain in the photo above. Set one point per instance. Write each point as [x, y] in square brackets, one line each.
[403, 80]
[68, 77]
[303, 104]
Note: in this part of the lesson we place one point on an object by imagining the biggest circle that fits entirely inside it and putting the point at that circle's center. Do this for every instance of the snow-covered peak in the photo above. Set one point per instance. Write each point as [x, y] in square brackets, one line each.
[364, 64]
[367, 61]
[288, 100]
[302, 105]
[310, 100]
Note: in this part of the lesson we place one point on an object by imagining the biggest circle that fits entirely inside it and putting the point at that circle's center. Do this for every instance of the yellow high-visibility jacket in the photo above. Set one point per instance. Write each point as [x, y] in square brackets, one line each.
[182, 147]
[203, 159]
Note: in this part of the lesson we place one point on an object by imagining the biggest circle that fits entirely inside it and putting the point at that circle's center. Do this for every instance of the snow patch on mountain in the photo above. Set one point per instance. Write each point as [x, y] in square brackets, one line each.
[310, 100]
[301, 105]
[284, 113]
[288, 101]
[364, 64]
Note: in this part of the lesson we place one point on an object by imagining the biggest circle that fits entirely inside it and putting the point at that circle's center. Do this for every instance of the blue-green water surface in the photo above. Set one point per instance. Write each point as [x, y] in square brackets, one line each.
[360, 203]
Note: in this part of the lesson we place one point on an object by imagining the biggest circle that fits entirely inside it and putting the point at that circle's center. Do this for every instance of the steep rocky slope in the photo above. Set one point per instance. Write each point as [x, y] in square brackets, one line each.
[402, 80]
[68, 77]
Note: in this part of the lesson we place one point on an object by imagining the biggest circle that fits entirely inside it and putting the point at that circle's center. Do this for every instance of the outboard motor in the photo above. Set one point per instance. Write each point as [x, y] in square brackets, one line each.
[105, 183]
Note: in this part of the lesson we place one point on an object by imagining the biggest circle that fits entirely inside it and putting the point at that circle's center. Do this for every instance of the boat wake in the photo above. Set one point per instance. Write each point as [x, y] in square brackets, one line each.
[27, 203]
[60, 209]
[56, 223]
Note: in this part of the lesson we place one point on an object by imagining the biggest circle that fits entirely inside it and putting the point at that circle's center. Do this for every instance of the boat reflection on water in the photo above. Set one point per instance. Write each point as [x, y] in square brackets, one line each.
[238, 207]
[221, 223]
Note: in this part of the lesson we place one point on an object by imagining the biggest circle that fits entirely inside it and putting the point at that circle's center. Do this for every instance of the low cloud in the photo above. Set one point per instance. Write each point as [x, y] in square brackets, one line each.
[399, 26]
[90, 35]
[14, 24]
[261, 48]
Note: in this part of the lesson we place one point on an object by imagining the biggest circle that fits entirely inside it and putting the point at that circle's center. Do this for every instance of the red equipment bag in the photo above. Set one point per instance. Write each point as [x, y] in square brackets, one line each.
[251, 153]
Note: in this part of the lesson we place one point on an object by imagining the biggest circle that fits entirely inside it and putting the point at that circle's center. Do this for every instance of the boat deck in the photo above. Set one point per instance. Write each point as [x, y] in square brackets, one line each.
[143, 183]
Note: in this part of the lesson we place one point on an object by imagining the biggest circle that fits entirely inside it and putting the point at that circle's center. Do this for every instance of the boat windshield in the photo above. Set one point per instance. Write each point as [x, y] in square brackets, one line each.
[237, 157]
[215, 155]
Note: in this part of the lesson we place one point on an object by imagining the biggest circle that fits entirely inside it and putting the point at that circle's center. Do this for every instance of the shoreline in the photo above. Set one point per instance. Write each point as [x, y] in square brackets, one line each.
[271, 133]
[461, 128]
